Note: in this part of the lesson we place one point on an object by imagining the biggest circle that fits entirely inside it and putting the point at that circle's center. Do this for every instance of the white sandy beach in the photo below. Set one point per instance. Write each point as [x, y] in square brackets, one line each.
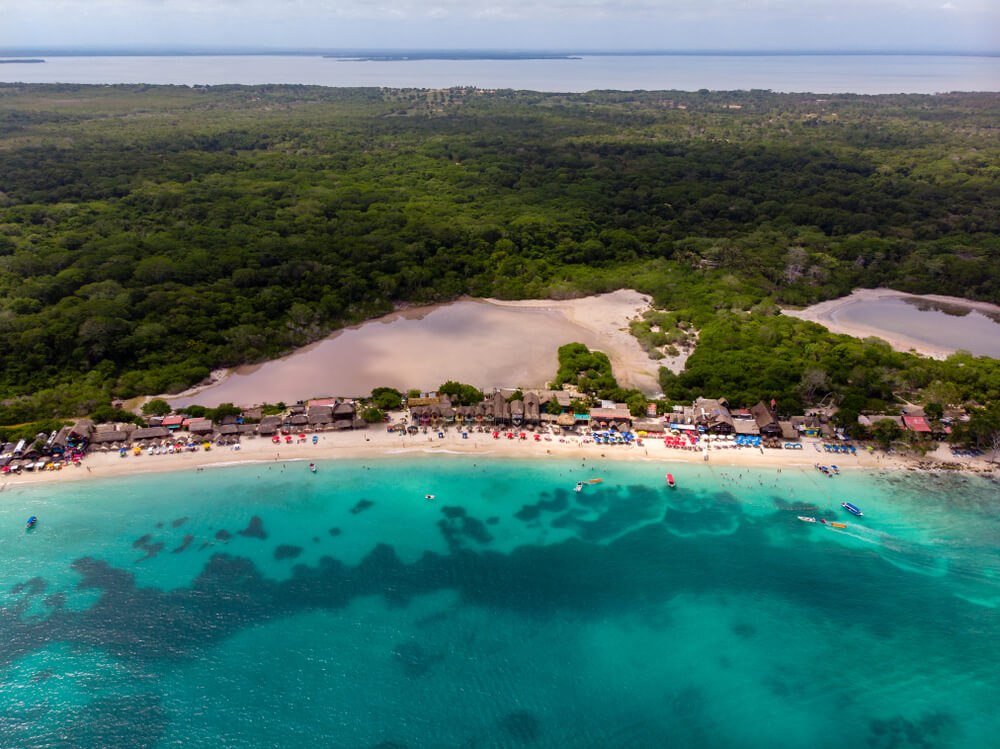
[377, 443]
[825, 313]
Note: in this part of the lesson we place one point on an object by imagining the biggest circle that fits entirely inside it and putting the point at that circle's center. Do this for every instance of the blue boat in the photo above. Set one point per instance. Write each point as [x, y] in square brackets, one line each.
[31, 522]
[854, 510]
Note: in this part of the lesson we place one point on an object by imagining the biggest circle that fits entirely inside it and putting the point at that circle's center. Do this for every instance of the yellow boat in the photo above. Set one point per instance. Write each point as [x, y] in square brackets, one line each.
[838, 525]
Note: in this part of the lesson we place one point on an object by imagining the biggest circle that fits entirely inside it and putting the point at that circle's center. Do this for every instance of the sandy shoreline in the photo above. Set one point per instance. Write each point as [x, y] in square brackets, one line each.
[374, 444]
[825, 313]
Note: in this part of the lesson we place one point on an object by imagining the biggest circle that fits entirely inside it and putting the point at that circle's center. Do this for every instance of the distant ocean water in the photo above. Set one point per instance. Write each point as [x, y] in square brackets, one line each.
[263, 605]
[863, 74]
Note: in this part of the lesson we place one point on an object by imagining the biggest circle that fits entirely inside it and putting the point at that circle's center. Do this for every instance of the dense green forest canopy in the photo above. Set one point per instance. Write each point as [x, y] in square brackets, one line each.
[150, 234]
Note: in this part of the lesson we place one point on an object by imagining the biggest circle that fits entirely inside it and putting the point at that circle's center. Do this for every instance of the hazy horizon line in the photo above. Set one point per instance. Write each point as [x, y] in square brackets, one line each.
[192, 51]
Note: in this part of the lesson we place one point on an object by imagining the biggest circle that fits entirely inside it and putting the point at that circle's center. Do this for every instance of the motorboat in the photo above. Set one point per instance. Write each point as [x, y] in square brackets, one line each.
[578, 487]
[853, 509]
[31, 523]
[835, 470]
[429, 496]
[670, 481]
[312, 467]
[806, 519]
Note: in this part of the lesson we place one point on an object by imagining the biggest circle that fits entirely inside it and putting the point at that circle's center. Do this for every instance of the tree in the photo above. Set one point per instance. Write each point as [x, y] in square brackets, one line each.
[934, 410]
[885, 431]
[223, 410]
[637, 404]
[553, 408]
[387, 398]
[372, 414]
[517, 395]
[195, 411]
[412, 393]
[983, 429]
[460, 394]
[156, 407]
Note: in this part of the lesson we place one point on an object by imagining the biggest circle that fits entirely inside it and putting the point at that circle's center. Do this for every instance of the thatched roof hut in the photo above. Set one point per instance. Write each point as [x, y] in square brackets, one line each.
[713, 414]
[82, 429]
[500, 409]
[202, 426]
[247, 428]
[298, 420]
[343, 411]
[343, 424]
[227, 429]
[107, 437]
[788, 430]
[320, 415]
[148, 433]
[532, 408]
[766, 423]
[269, 425]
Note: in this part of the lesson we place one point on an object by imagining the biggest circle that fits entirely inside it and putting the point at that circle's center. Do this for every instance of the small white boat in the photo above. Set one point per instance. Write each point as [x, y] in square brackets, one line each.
[312, 467]
[578, 487]
[806, 519]
[429, 496]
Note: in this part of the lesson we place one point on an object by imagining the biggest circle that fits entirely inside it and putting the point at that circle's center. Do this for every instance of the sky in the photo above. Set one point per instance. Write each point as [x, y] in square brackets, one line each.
[576, 25]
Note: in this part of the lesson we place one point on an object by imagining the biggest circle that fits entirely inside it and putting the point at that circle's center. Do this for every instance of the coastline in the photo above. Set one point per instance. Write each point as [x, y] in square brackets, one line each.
[377, 445]
[825, 314]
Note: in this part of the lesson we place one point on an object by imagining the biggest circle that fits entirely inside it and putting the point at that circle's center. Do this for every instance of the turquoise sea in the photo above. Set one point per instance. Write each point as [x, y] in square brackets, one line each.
[266, 606]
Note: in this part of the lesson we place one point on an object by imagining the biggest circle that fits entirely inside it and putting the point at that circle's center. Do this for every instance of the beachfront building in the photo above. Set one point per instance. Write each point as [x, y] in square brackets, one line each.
[611, 416]
[788, 432]
[201, 427]
[147, 434]
[712, 415]
[269, 425]
[500, 409]
[172, 422]
[766, 420]
[320, 417]
[807, 426]
[532, 409]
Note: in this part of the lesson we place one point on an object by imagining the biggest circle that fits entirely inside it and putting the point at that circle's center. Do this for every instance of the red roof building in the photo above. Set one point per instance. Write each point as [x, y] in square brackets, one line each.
[916, 424]
[172, 422]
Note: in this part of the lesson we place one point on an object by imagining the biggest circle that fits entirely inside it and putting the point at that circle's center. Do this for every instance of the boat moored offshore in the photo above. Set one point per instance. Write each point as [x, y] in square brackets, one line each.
[853, 509]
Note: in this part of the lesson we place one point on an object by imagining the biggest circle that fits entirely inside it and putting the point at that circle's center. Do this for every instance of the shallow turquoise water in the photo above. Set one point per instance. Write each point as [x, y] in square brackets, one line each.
[511, 611]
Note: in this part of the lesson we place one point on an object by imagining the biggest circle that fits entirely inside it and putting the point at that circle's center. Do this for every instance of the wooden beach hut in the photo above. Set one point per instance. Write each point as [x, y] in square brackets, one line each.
[532, 409]
[269, 425]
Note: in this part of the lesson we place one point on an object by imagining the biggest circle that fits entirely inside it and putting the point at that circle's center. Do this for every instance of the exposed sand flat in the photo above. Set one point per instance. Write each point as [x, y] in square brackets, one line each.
[377, 443]
[830, 315]
[485, 343]
[607, 316]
